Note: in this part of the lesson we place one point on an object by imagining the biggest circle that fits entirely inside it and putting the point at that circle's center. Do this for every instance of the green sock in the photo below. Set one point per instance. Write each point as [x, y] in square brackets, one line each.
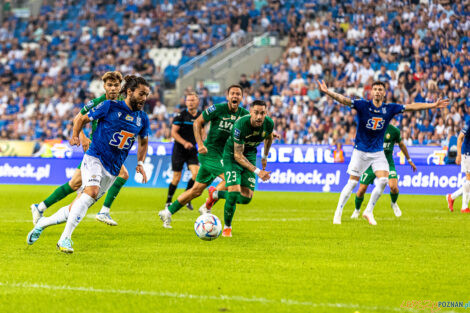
[394, 197]
[58, 194]
[230, 206]
[222, 194]
[174, 207]
[113, 191]
[243, 200]
[359, 202]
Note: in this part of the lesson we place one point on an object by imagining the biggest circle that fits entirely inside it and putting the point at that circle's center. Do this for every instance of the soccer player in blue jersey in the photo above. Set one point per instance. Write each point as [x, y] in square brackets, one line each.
[463, 158]
[120, 122]
[374, 116]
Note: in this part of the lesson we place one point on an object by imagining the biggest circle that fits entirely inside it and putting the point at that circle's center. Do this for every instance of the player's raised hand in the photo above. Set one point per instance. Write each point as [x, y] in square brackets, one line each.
[322, 86]
[140, 169]
[413, 166]
[264, 175]
[202, 149]
[74, 141]
[441, 103]
[187, 145]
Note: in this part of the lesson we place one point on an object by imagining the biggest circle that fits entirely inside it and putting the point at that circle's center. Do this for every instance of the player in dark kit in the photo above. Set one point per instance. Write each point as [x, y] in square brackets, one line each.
[184, 149]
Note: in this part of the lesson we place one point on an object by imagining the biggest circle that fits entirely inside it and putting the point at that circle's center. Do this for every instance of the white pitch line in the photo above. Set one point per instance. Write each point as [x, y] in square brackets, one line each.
[287, 302]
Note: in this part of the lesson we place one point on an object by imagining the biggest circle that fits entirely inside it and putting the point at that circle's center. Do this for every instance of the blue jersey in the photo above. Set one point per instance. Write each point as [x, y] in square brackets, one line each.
[466, 140]
[373, 122]
[117, 128]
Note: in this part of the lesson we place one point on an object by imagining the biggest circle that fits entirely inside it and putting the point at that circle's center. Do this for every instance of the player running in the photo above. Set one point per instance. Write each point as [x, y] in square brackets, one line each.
[392, 136]
[463, 147]
[222, 117]
[112, 84]
[120, 123]
[240, 160]
[184, 149]
[374, 116]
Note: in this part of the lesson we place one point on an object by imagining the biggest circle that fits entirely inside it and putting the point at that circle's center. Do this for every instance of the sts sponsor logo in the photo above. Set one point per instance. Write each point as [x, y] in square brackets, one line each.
[122, 140]
[375, 123]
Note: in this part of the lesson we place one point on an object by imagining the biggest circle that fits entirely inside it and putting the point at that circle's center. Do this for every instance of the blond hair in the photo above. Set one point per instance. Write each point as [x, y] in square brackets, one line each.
[115, 75]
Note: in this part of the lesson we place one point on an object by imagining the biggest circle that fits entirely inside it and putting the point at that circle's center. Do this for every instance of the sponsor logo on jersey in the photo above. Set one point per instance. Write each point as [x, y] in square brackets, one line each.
[119, 114]
[210, 109]
[129, 118]
[122, 140]
[375, 123]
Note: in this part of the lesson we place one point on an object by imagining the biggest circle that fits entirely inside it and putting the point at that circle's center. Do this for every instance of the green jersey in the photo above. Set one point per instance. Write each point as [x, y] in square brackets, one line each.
[90, 105]
[245, 134]
[222, 120]
[392, 136]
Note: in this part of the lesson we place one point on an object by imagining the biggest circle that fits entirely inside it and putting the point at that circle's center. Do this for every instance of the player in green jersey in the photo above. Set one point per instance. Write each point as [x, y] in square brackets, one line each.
[221, 117]
[239, 160]
[112, 85]
[392, 136]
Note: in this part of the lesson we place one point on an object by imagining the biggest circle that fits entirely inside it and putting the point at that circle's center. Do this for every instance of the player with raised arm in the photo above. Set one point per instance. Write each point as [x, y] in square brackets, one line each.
[463, 159]
[112, 85]
[240, 160]
[120, 123]
[392, 136]
[374, 116]
[184, 148]
[221, 117]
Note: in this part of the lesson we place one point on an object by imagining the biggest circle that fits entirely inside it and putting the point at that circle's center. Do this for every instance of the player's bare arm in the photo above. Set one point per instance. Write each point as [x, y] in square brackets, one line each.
[340, 98]
[416, 106]
[78, 123]
[404, 149]
[174, 133]
[267, 145]
[460, 139]
[198, 128]
[243, 161]
[84, 140]
[141, 155]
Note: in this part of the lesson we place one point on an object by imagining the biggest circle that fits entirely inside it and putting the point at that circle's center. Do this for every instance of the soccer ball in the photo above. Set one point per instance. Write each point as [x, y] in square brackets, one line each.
[208, 227]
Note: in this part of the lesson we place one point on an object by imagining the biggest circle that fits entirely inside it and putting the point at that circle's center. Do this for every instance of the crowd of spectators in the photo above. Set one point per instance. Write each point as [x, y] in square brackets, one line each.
[418, 48]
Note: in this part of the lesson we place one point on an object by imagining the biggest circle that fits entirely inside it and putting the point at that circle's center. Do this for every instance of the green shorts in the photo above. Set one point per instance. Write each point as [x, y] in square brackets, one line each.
[79, 165]
[368, 177]
[235, 174]
[211, 167]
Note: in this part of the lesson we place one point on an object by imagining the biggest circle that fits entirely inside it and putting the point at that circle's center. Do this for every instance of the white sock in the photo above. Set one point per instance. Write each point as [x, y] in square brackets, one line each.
[77, 212]
[215, 194]
[345, 194]
[381, 183]
[457, 193]
[466, 194]
[104, 210]
[42, 207]
[58, 217]
[225, 227]
[167, 211]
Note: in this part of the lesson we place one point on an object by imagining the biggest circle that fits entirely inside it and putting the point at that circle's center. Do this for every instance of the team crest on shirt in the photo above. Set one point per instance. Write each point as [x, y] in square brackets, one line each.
[233, 117]
[129, 118]
[263, 134]
[255, 133]
[119, 114]
[384, 110]
[138, 121]
[388, 136]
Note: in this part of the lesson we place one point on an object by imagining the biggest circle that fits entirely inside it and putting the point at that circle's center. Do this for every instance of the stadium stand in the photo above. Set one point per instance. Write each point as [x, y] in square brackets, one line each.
[419, 48]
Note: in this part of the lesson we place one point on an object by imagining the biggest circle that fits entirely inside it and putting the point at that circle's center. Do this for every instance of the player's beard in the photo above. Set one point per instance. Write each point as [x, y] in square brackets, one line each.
[135, 104]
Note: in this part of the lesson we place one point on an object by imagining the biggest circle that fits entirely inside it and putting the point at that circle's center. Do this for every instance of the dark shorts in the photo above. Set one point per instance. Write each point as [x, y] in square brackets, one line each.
[179, 157]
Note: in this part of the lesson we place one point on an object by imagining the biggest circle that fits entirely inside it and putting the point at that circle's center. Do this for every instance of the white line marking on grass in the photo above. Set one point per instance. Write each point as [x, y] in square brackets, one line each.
[166, 294]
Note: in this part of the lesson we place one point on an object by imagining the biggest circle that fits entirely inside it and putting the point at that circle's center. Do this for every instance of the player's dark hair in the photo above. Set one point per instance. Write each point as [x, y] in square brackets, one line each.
[132, 82]
[378, 83]
[235, 86]
[258, 102]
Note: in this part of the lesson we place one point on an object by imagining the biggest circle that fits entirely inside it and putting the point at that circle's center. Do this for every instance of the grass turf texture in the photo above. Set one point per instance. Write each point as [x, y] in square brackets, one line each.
[285, 256]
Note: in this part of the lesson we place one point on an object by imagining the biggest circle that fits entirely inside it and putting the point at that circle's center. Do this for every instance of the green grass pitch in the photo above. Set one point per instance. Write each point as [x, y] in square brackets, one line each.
[285, 256]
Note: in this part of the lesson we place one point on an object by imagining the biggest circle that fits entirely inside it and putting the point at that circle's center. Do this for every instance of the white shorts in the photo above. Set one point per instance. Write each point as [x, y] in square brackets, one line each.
[94, 174]
[465, 164]
[360, 162]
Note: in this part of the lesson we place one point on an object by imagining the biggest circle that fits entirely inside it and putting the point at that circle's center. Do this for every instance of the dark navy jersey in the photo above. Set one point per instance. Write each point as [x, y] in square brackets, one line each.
[466, 140]
[373, 122]
[185, 121]
[117, 129]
